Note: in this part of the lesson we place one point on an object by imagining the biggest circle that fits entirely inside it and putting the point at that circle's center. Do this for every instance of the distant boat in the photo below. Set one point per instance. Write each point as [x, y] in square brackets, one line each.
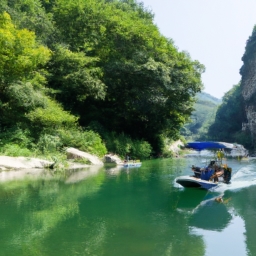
[132, 164]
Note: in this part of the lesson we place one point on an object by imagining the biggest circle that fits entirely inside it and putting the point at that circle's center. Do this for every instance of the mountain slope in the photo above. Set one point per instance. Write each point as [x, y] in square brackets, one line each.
[204, 113]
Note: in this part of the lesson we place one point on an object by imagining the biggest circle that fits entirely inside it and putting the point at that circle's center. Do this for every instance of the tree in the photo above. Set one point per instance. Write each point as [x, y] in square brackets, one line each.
[75, 77]
[31, 15]
[149, 84]
[21, 58]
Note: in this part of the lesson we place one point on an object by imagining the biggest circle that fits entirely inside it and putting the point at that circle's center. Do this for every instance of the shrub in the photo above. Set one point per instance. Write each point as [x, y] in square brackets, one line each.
[15, 150]
[49, 144]
[123, 145]
[16, 135]
[88, 141]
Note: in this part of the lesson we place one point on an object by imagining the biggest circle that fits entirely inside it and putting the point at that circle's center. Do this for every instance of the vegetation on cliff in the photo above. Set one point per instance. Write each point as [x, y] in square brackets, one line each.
[230, 115]
[234, 119]
[202, 117]
[75, 72]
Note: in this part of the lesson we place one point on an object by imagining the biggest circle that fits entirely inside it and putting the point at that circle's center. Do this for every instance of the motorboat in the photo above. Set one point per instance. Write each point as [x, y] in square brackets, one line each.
[213, 173]
[132, 164]
[191, 181]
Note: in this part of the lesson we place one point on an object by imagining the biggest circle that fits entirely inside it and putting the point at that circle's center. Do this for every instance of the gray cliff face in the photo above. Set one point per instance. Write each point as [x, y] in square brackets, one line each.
[249, 79]
[248, 85]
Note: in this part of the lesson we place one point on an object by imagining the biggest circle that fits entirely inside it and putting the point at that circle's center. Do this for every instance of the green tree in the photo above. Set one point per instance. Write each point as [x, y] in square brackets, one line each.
[31, 14]
[109, 64]
[74, 77]
[150, 85]
[21, 59]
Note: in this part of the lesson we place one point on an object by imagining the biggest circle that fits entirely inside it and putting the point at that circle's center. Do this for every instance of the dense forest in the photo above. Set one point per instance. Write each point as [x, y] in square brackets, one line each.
[96, 75]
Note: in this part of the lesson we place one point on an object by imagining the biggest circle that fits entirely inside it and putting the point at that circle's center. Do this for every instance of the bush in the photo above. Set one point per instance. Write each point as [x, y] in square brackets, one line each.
[49, 144]
[15, 150]
[88, 141]
[140, 149]
[123, 145]
[16, 135]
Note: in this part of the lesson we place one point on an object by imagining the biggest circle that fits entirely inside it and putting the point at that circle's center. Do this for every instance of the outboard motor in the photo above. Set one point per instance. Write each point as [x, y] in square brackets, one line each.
[227, 174]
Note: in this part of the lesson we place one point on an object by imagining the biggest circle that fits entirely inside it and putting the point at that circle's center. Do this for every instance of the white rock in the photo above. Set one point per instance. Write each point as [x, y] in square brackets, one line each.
[73, 153]
[22, 162]
[111, 158]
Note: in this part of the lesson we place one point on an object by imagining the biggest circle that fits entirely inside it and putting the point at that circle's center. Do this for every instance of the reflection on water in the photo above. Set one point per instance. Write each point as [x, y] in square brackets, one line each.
[117, 211]
[190, 199]
[6, 176]
[211, 216]
[84, 174]
[229, 241]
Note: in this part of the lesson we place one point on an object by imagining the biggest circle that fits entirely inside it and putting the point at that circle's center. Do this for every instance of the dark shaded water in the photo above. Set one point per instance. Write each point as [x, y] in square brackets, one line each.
[115, 211]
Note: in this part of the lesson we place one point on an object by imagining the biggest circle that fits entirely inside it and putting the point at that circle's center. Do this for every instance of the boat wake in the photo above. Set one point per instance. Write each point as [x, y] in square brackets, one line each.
[243, 178]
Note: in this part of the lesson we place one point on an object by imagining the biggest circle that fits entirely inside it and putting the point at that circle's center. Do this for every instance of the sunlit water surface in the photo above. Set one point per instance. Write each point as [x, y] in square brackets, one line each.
[116, 211]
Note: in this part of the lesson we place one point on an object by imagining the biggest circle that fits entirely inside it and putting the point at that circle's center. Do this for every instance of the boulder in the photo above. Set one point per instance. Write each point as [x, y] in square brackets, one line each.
[111, 158]
[8, 162]
[73, 153]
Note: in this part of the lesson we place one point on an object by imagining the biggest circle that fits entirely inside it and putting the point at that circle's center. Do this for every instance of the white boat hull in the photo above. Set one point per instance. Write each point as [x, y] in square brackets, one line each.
[190, 181]
[132, 164]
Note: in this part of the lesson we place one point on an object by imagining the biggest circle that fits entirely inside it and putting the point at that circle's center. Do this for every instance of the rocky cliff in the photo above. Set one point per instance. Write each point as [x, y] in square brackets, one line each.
[248, 84]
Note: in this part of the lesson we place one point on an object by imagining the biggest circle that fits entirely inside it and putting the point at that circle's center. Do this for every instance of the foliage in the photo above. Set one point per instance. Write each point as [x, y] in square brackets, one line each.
[74, 76]
[16, 135]
[123, 145]
[229, 117]
[17, 142]
[202, 117]
[31, 14]
[20, 60]
[51, 117]
[149, 83]
[249, 50]
[20, 54]
[49, 144]
[65, 64]
[15, 150]
[88, 141]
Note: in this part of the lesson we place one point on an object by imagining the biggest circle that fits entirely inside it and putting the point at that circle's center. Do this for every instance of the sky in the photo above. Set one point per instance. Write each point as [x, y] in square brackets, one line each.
[214, 32]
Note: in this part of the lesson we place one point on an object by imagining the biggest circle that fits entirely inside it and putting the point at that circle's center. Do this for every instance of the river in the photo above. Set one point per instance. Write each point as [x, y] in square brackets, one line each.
[116, 211]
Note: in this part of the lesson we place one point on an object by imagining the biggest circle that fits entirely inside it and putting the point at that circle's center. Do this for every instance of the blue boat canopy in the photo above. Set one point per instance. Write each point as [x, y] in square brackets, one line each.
[201, 145]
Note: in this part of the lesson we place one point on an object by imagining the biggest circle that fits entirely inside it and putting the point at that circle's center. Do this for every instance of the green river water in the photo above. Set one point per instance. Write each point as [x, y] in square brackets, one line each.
[128, 212]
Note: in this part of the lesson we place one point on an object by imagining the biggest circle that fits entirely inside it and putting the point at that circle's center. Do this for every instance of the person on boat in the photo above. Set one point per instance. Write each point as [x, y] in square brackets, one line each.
[127, 158]
[227, 174]
[218, 173]
[211, 164]
[197, 171]
[220, 154]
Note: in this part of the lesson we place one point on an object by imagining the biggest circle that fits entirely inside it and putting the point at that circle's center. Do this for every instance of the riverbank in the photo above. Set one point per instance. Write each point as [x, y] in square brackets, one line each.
[18, 163]
[73, 161]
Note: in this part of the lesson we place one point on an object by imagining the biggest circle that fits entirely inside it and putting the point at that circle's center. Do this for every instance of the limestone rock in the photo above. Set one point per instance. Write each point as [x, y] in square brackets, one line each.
[8, 162]
[111, 158]
[73, 153]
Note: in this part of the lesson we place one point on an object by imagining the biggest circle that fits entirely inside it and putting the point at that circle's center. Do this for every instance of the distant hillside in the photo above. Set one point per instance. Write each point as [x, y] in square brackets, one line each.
[203, 96]
[204, 114]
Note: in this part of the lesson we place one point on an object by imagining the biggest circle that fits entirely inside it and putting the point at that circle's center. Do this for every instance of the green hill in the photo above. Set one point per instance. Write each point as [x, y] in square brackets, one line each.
[203, 96]
[201, 118]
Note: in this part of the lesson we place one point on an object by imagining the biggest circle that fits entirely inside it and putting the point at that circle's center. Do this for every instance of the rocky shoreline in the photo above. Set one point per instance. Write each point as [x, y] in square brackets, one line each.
[18, 163]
